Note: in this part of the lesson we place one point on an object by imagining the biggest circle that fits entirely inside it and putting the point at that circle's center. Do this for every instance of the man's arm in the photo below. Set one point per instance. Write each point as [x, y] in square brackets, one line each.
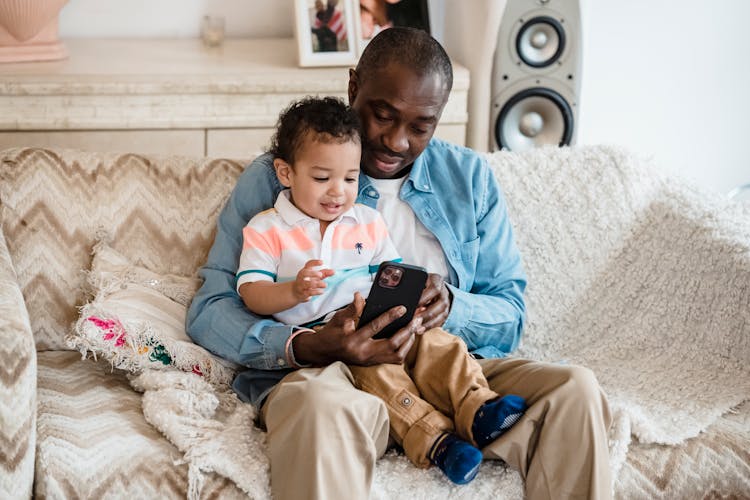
[217, 318]
[490, 316]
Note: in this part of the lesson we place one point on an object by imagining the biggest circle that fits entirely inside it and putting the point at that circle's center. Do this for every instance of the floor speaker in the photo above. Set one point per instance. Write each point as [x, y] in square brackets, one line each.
[536, 75]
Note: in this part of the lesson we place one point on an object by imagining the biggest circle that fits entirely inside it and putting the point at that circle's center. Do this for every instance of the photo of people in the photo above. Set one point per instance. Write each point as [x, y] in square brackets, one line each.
[328, 26]
[377, 15]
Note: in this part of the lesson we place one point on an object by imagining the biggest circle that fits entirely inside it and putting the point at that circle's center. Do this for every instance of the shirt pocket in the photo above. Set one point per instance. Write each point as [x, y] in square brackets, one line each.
[466, 263]
[470, 252]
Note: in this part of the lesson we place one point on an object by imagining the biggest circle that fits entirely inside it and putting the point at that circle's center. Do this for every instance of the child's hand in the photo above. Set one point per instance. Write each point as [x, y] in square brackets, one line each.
[309, 280]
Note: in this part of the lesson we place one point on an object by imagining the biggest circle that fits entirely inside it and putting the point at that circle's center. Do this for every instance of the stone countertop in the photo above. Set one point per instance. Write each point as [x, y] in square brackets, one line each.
[147, 66]
[126, 84]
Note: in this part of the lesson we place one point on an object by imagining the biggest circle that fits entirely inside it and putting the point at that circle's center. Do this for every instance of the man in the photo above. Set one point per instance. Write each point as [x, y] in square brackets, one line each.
[445, 212]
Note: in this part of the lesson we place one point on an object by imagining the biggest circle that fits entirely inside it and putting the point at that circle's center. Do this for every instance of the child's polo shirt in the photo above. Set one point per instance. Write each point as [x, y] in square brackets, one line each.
[279, 241]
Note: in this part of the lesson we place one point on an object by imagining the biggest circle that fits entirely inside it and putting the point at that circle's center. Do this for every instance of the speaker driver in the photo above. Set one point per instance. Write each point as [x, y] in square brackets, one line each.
[540, 41]
[534, 117]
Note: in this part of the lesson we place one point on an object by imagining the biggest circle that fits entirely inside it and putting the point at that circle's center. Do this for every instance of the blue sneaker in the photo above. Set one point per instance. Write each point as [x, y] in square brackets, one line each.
[495, 417]
[458, 459]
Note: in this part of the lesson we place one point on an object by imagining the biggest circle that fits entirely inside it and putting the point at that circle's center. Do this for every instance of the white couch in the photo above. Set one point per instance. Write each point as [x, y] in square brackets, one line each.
[637, 276]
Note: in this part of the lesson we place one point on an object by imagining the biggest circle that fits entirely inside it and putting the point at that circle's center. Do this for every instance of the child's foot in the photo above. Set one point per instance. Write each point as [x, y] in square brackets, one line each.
[495, 417]
[458, 459]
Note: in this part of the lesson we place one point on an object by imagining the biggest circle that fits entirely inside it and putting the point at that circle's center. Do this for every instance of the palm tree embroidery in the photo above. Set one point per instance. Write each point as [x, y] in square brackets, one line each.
[358, 247]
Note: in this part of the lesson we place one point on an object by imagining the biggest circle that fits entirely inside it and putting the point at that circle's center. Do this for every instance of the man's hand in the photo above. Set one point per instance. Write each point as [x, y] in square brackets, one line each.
[309, 281]
[435, 302]
[340, 340]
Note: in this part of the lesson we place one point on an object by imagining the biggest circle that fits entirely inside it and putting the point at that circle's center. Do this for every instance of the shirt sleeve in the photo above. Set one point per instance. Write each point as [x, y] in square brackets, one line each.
[490, 315]
[217, 318]
[259, 258]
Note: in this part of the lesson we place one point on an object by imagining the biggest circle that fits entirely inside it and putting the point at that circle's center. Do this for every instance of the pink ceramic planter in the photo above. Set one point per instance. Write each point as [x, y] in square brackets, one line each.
[28, 30]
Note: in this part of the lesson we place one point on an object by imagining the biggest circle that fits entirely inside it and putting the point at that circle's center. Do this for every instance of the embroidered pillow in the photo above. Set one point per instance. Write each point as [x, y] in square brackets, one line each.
[136, 320]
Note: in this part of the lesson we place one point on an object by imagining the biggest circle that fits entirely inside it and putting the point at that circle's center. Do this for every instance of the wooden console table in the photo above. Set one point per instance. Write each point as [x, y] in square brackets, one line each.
[170, 96]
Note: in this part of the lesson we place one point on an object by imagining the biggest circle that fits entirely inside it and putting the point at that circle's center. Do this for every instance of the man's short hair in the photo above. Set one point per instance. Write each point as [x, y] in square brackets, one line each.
[328, 118]
[410, 47]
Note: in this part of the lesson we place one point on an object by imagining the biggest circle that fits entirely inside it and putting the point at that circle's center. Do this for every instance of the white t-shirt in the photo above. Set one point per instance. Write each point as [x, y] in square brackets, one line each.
[414, 242]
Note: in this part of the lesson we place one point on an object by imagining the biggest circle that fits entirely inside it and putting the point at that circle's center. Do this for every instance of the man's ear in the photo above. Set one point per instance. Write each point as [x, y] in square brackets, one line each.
[353, 87]
[283, 171]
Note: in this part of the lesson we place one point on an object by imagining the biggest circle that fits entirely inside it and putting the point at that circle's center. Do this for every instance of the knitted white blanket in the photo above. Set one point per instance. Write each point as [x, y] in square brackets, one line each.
[643, 279]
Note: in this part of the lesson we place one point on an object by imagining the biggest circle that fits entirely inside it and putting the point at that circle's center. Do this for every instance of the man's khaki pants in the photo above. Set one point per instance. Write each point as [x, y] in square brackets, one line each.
[324, 435]
[438, 389]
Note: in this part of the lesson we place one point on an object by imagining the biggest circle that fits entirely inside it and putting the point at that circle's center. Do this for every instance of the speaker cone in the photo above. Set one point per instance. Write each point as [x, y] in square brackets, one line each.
[541, 41]
[534, 117]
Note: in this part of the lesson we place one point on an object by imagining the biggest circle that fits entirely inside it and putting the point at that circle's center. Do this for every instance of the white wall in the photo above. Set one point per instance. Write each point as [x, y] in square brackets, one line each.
[174, 18]
[663, 78]
[672, 80]
[181, 18]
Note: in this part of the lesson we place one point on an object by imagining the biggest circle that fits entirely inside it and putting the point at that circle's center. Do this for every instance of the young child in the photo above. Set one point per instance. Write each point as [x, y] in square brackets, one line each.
[306, 257]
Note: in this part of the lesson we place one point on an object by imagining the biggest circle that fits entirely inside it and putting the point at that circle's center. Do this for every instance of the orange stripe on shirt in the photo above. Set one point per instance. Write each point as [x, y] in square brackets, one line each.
[252, 239]
[276, 240]
[346, 237]
[296, 239]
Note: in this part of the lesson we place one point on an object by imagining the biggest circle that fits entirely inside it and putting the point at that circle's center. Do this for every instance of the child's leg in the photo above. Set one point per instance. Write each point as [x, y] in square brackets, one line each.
[425, 434]
[452, 381]
[415, 423]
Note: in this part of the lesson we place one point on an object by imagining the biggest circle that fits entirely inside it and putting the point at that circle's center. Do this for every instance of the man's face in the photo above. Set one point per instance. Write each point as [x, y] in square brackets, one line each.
[399, 112]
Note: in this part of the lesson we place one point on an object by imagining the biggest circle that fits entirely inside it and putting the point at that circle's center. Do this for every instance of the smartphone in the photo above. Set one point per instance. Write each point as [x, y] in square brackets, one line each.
[395, 284]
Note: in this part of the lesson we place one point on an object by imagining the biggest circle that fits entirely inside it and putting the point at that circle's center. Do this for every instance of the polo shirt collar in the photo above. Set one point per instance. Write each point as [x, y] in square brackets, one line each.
[293, 216]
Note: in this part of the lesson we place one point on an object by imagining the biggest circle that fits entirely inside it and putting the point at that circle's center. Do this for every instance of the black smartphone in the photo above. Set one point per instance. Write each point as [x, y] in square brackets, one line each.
[395, 284]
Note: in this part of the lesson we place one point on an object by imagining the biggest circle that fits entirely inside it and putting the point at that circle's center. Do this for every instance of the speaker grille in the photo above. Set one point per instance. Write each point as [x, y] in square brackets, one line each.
[534, 117]
[540, 41]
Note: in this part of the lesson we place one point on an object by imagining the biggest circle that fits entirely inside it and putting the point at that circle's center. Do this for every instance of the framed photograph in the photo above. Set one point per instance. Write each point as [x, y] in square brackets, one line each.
[377, 15]
[326, 32]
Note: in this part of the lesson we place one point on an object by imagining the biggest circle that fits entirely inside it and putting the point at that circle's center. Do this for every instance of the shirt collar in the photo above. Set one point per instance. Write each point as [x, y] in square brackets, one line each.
[419, 175]
[293, 216]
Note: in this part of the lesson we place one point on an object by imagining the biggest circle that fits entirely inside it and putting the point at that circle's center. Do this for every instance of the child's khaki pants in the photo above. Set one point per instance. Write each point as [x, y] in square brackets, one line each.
[438, 389]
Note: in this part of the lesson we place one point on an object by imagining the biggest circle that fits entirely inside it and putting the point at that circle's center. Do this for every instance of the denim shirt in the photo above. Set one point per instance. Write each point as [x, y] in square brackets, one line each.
[452, 192]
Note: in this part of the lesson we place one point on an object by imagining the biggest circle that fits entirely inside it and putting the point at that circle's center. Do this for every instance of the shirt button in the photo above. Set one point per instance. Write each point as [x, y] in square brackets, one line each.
[280, 362]
[426, 186]
[372, 192]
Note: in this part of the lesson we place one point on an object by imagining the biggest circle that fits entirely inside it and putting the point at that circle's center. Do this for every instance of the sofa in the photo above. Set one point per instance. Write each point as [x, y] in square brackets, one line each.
[643, 278]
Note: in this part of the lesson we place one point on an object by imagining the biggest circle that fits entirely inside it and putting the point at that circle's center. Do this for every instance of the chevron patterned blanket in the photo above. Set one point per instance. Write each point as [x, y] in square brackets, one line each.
[642, 278]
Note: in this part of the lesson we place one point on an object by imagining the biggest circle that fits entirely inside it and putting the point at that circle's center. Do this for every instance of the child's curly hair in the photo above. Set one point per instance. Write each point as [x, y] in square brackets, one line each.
[328, 117]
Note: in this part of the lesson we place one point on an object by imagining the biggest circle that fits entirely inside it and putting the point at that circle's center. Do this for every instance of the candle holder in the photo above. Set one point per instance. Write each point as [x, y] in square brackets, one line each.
[212, 31]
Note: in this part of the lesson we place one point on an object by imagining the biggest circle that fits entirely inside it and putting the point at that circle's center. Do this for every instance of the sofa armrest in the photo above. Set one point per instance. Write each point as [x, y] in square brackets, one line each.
[18, 378]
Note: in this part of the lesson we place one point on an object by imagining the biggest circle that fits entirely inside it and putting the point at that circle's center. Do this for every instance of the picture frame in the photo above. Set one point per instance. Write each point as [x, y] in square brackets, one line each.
[326, 32]
[375, 15]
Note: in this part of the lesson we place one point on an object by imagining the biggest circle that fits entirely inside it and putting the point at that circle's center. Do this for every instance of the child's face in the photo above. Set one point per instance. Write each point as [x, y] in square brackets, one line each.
[324, 177]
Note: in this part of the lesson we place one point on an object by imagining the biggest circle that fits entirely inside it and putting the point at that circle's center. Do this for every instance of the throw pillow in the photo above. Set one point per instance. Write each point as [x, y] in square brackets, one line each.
[136, 320]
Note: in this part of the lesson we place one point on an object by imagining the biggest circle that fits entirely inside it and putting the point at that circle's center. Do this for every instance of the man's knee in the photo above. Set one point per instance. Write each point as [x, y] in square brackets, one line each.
[581, 381]
[582, 387]
[323, 409]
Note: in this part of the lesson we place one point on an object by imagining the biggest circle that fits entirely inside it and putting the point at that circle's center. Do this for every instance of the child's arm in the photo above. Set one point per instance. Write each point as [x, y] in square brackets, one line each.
[265, 297]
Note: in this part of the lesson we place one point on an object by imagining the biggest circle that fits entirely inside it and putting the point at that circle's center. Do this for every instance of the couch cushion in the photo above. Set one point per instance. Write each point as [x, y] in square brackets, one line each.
[17, 386]
[715, 464]
[93, 441]
[159, 212]
[136, 320]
